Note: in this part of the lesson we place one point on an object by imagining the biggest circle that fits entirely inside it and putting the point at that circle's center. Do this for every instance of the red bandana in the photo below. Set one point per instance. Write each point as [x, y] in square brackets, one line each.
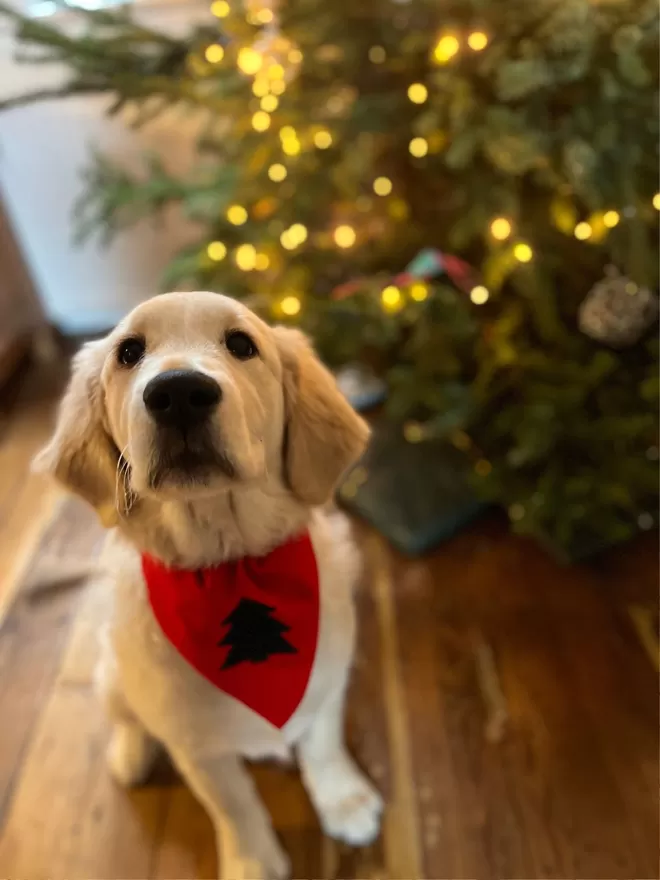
[250, 627]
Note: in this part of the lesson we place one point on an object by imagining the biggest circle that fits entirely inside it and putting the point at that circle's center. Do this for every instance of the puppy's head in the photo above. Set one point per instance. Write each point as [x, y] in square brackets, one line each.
[191, 395]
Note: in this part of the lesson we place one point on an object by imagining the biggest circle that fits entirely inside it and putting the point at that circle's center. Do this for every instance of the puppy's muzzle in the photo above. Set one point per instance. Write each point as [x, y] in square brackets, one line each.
[182, 398]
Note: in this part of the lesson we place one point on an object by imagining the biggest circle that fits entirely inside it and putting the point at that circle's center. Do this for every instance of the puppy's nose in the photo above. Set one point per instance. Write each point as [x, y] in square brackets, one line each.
[181, 397]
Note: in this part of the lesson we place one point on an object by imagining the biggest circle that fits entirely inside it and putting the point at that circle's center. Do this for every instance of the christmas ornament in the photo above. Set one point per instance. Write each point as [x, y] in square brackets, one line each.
[250, 626]
[617, 312]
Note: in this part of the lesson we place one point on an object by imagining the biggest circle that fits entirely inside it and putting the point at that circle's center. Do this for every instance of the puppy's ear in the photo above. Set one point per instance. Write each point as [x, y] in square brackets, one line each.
[81, 454]
[324, 434]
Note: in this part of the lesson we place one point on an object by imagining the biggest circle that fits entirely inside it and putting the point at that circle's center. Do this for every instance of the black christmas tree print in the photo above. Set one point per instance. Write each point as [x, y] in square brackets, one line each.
[254, 635]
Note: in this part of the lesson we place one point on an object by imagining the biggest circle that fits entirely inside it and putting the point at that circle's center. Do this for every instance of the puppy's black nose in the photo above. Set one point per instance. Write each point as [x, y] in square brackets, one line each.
[181, 397]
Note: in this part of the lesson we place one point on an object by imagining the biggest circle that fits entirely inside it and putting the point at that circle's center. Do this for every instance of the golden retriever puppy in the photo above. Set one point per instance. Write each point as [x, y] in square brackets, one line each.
[208, 443]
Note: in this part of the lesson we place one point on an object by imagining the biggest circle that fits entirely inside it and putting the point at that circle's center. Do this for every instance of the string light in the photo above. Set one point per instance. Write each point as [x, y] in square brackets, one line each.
[260, 87]
[262, 262]
[220, 8]
[500, 228]
[419, 291]
[391, 298]
[345, 236]
[264, 16]
[323, 139]
[290, 305]
[298, 233]
[288, 241]
[611, 219]
[249, 61]
[418, 147]
[295, 56]
[482, 468]
[246, 257]
[216, 251]
[656, 201]
[269, 103]
[477, 41]
[479, 295]
[277, 172]
[278, 87]
[236, 214]
[214, 53]
[275, 71]
[583, 231]
[377, 55]
[382, 186]
[418, 93]
[291, 147]
[446, 48]
[261, 121]
[523, 252]
[288, 132]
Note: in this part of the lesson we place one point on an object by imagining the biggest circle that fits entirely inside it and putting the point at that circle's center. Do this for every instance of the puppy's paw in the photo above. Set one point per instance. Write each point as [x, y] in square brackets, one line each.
[349, 807]
[268, 862]
[131, 754]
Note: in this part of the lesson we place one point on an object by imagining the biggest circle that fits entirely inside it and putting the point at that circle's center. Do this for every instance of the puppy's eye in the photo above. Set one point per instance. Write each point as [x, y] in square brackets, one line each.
[130, 351]
[240, 345]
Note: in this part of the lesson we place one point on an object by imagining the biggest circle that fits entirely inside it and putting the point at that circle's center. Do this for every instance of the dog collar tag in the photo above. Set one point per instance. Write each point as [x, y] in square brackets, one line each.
[250, 626]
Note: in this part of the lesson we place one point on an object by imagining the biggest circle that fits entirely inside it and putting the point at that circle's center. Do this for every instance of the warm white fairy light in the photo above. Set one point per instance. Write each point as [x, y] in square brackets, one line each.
[419, 291]
[391, 298]
[237, 215]
[261, 121]
[446, 48]
[477, 41]
[611, 219]
[220, 8]
[262, 262]
[275, 71]
[260, 87]
[479, 295]
[269, 103]
[216, 251]
[246, 257]
[214, 53]
[656, 201]
[418, 93]
[345, 236]
[323, 139]
[277, 172]
[290, 305]
[298, 232]
[583, 231]
[295, 56]
[249, 61]
[523, 252]
[500, 228]
[382, 186]
[418, 147]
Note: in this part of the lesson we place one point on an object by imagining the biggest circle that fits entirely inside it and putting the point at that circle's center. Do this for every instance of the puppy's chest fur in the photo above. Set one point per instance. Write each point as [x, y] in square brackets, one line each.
[178, 705]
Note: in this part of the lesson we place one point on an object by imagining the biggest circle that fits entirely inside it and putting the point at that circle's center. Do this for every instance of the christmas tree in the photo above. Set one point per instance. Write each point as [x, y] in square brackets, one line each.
[254, 634]
[341, 140]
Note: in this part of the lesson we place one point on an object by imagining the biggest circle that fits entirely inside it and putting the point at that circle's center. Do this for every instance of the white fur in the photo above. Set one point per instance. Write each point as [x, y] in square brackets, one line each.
[154, 696]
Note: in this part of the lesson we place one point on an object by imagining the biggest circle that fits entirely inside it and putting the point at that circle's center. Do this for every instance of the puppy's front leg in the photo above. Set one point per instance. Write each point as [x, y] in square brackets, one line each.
[247, 846]
[348, 806]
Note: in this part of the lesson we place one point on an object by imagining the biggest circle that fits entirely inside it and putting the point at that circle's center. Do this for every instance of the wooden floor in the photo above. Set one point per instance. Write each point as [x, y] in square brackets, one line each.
[507, 707]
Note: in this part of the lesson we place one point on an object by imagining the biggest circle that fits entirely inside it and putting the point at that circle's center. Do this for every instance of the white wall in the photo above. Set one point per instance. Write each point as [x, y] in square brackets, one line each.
[43, 149]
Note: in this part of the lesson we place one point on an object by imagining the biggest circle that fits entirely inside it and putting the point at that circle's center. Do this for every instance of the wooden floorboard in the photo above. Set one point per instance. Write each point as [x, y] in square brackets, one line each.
[505, 706]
